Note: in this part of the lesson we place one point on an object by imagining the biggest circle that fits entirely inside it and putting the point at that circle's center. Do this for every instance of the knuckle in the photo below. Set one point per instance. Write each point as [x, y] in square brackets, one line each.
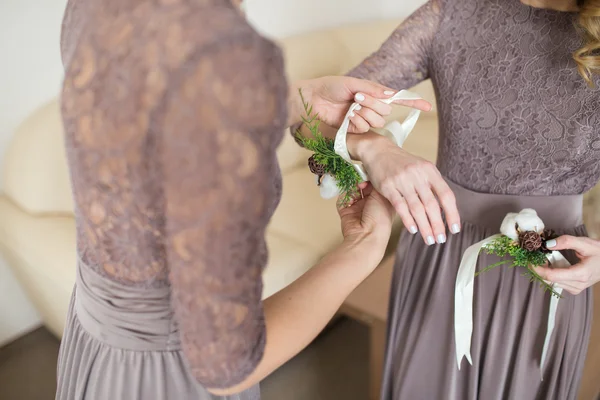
[432, 205]
[388, 185]
[446, 196]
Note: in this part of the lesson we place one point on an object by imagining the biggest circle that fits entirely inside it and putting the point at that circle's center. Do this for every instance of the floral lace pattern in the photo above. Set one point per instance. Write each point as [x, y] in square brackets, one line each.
[173, 110]
[515, 116]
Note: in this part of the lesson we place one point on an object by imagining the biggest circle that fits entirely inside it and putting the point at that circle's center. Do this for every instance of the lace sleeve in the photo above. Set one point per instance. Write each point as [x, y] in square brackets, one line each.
[403, 59]
[221, 128]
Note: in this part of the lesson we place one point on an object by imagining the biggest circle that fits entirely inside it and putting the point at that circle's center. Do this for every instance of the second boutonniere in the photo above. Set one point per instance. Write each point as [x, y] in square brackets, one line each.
[523, 239]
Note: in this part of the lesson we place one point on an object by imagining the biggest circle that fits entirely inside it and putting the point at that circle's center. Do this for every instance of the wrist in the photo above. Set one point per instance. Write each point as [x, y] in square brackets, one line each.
[362, 146]
[368, 249]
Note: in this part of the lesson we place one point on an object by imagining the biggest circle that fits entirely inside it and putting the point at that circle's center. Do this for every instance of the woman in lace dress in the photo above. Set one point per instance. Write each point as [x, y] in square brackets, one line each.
[172, 112]
[519, 127]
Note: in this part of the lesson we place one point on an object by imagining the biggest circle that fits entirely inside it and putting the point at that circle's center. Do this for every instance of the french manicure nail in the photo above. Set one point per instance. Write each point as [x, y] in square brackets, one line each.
[389, 92]
[413, 229]
[358, 107]
[441, 238]
[455, 228]
[430, 240]
[551, 243]
[352, 114]
[359, 97]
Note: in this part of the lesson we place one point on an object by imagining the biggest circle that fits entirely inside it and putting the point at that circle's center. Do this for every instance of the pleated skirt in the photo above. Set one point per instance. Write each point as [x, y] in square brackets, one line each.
[121, 343]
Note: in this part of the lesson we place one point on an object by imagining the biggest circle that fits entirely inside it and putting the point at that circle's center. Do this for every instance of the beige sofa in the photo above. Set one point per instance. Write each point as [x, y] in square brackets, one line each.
[37, 230]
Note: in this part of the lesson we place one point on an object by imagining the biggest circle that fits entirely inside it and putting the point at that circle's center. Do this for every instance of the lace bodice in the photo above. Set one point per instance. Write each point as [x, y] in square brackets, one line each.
[515, 116]
[173, 111]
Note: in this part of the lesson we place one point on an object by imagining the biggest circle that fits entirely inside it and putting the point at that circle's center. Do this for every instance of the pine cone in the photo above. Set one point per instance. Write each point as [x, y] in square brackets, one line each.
[530, 241]
[315, 167]
[548, 234]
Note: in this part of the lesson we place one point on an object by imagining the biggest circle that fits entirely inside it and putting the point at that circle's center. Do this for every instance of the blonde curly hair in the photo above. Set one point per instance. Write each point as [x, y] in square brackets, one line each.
[588, 56]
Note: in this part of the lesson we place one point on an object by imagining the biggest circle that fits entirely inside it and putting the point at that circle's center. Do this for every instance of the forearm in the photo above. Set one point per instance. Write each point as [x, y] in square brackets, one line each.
[295, 315]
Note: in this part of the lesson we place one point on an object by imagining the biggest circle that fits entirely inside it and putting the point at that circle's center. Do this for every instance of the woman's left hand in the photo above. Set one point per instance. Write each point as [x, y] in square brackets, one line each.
[332, 96]
[578, 277]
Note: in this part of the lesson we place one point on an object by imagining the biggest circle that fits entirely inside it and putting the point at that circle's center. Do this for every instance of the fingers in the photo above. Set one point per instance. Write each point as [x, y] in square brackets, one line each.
[584, 246]
[399, 204]
[374, 119]
[422, 105]
[447, 201]
[373, 104]
[574, 279]
[419, 213]
[434, 213]
[358, 124]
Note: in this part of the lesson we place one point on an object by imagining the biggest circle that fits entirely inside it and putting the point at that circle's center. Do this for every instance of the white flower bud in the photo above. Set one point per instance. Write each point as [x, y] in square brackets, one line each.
[329, 188]
[528, 220]
[508, 226]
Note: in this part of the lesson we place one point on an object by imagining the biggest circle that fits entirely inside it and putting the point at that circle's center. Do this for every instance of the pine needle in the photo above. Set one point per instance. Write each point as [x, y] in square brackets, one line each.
[505, 246]
[346, 176]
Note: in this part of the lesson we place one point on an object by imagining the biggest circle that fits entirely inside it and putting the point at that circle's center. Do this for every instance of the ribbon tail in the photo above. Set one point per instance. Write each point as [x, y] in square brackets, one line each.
[463, 300]
[558, 261]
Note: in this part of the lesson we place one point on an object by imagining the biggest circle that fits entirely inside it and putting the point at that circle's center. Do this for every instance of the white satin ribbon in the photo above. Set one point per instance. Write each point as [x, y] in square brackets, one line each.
[463, 301]
[398, 131]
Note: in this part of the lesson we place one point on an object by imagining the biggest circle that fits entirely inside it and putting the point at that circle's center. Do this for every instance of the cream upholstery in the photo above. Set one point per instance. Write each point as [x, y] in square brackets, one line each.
[35, 174]
[37, 230]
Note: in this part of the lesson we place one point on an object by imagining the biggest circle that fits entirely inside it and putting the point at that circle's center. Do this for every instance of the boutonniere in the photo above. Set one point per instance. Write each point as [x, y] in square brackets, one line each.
[523, 239]
[335, 176]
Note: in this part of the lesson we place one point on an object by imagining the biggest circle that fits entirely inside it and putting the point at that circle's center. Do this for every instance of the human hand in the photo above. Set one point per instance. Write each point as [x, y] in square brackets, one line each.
[580, 276]
[368, 219]
[413, 185]
[332, 96]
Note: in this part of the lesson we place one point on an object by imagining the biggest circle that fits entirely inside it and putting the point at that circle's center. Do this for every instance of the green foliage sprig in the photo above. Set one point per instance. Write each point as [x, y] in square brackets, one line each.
[505, 246]
[345, 175]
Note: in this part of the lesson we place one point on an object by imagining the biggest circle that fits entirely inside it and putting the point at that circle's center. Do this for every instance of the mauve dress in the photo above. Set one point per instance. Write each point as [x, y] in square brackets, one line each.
[172, 111]
[518, 128]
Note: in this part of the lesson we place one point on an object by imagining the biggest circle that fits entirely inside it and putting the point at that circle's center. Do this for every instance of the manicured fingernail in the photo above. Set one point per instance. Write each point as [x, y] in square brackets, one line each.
[455, 228]
[358, 107]
[413, 229]
[551, 243]
[359, 97]
[389, 92]
[430, 240]
[352, 114]
[441, 238]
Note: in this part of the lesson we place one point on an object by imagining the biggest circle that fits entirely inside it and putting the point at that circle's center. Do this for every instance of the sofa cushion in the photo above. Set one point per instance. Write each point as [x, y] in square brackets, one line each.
[35, 173]
[290, 154]
[41, 253]
[303, 216]
[288, 260]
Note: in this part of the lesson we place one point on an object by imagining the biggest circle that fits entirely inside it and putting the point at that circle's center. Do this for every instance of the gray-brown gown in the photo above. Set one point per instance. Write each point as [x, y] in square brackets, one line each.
[518, 128]
[173, 110]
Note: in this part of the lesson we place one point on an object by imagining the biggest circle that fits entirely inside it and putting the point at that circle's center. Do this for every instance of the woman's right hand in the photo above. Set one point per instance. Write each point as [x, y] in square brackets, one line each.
[368, 222]
[414, 186]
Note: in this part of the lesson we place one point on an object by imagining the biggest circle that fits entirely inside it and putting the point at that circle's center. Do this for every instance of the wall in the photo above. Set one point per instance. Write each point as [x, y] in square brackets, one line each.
[280, 18]
[31, 72]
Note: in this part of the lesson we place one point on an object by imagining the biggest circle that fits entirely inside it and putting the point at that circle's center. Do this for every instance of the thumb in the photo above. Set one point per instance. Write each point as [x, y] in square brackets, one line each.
[582, 245]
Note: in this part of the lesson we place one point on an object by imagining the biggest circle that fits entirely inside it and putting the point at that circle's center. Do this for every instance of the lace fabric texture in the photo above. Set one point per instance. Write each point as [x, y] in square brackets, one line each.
[173, 111]
[515, 116]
